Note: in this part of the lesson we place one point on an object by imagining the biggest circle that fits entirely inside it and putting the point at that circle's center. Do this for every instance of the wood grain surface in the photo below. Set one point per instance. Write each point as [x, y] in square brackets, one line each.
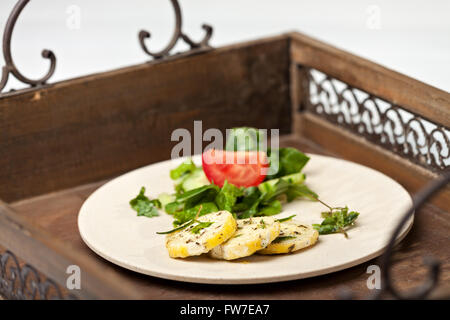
[95, 127]
[74, 135]
[57, 214]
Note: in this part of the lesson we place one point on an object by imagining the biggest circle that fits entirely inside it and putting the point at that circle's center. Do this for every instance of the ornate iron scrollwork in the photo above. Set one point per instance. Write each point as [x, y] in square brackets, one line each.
[379, 121]
[10, 67]
[178, 33]
[23, 282]
[387, 262]
[434, 266]
[398, 130]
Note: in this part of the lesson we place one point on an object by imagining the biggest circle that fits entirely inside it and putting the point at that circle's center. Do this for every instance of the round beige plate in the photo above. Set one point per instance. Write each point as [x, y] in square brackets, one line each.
[111, 228]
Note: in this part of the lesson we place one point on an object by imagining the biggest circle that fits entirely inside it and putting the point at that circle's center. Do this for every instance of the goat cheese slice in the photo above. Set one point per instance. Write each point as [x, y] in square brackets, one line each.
[293, 236]
[252, 234]
[191, 242]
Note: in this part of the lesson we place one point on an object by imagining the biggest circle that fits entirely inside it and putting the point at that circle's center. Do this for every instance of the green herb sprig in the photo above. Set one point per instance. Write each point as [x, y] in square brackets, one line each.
[337, 220]
[286, 219]
[144, 206]
[201, 225]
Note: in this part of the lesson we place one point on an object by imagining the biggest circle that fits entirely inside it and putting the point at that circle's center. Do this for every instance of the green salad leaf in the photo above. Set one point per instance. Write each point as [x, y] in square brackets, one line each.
[287, 160]
[227, 196]
[185, 168]
[185, 215]
[144, 206]
[188, 176]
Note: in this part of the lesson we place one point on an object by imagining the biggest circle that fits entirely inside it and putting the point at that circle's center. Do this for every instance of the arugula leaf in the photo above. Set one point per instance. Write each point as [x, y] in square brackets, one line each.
[227, 196]
[144, 206]
[186, 167]
[336, 220]
[200, 226]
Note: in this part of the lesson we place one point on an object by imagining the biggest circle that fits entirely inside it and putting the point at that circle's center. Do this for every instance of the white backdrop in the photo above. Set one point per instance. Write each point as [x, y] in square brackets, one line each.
[412, 37]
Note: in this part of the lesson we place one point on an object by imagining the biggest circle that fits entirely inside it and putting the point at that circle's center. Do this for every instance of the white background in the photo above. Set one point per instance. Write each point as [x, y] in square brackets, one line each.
[412, 37]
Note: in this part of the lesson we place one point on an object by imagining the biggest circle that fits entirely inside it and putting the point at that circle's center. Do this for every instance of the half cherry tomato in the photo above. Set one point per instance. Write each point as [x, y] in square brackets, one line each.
[241, 168]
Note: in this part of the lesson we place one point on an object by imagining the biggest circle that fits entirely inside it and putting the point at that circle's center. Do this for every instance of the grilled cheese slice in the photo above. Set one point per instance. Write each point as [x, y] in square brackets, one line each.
[191, 242]
[293, 236]
[252, 234]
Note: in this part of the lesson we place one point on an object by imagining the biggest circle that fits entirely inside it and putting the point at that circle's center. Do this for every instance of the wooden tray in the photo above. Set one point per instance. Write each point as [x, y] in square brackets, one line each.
[59, 143]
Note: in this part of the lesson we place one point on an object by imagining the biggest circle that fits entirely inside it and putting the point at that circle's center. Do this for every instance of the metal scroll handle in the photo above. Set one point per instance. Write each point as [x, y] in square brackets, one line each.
[178, 33]
[10, 67]
[431, 281]
[433, 265]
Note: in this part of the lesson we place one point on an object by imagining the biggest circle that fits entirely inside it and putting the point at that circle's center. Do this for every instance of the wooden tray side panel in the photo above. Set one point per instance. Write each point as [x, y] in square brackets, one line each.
[29, 255]
[342, 138]
[96, 127]
[429, 102]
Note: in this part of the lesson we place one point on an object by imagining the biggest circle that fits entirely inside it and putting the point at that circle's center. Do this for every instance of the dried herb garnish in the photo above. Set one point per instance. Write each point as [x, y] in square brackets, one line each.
[200, 226]
[280, 239]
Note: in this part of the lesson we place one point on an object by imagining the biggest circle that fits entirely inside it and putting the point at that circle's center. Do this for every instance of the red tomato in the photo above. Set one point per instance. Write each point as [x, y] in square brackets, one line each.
[241, 168]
